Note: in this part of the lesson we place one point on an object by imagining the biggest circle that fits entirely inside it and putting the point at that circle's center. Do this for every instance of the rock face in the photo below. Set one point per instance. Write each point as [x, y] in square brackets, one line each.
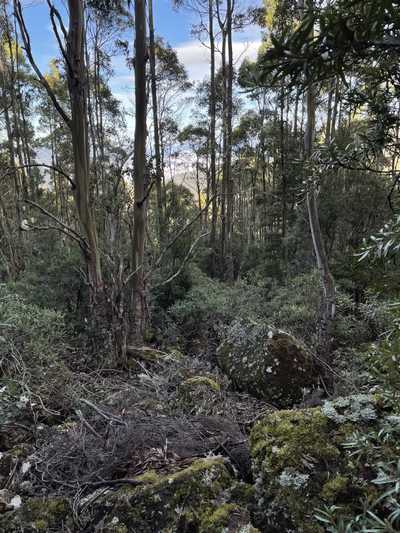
[300, 464]
[267, 363]
[202, 498]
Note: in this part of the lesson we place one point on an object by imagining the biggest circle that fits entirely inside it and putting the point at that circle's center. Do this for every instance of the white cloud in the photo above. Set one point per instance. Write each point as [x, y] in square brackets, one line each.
[196, 57]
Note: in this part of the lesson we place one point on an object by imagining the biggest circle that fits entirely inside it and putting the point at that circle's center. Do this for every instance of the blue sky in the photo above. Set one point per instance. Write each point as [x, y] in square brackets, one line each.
[173, 25]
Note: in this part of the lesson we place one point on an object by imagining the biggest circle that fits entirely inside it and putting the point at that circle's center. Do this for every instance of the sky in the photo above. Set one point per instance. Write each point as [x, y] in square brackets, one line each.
[173, 25]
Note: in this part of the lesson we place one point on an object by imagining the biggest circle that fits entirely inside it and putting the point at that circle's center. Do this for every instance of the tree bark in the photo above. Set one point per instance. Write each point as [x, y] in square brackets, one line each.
[77, 86]
[157, 147]
[213, 156]
[228, 154]
[138, 288]
[328, 299]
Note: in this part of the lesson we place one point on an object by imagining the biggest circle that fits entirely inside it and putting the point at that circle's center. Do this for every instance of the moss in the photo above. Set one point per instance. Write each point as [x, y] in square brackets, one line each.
[300, 465]
[38, 514]
[219, 518]
[243, 493]
[149, 477]
[202, 380]
[171, 502]
[334, 488]
[41, 525]
[202, 497]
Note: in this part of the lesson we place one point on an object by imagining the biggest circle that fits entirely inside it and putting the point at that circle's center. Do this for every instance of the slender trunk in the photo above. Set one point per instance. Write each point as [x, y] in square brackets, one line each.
[228, 153]
[327, 282]
[213, 112]
[335, 108]
[328, 129]
[282, 163]
[224, 146]
[157, 148]
[138, 288]
[77, 85]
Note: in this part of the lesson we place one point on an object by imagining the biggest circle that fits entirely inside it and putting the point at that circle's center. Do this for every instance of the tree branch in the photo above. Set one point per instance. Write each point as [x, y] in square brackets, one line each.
[186, 259]
[70, 230]
[179, 234]
[44, 165]
[41, 78]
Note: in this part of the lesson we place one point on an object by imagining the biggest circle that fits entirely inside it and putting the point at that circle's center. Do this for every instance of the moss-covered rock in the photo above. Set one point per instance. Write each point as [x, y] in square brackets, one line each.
[197, 498]
[38, 515]
[267, 363]
[202, 498]
[300, 464]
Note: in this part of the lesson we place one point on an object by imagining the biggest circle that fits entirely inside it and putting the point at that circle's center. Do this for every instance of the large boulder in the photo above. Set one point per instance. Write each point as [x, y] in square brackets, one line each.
[202, 497]
[325, 458]
[268, 363]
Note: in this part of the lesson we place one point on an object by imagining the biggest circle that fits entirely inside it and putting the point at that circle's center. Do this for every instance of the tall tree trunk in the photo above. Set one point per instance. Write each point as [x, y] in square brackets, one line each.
[228, 153]
[213, 155]
[77, 85]
[282, 162]
[328, 298]
[138, 288]
[157, 147]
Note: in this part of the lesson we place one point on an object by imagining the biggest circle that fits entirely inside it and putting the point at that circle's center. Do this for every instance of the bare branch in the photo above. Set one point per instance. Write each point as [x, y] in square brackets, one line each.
[32, 227]
[44, 165]
[68, 229]
[179, 234]
[186, 259]
[41, 78]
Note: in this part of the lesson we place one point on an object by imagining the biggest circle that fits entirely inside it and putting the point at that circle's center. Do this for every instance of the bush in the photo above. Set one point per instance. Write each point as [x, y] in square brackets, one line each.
[210, 306]
[295, 307]
[54, 284]
[32, 342]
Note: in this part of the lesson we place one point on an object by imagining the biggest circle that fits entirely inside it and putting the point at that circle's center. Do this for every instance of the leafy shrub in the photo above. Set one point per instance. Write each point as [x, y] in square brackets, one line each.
[378, 450]
[32, 342]
[53, 284]
[294, 308]
[210, 305]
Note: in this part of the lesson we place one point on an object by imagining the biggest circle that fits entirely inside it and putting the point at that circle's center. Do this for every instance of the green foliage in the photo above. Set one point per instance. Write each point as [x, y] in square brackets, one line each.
[385, 244]
[32, 346]
[32, 331]
[52, 284]
[380, 511]
[210, 305]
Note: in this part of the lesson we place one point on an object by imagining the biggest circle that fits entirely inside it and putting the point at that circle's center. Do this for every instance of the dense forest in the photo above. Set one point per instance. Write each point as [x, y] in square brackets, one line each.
[199, 287]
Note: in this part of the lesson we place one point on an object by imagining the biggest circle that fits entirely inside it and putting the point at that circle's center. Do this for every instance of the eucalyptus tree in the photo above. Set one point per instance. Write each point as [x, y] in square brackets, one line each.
[138, 250]
[72, 48]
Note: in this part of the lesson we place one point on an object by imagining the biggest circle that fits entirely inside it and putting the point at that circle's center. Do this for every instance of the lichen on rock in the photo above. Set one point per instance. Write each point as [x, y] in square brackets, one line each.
[268, 363]
[301, 465]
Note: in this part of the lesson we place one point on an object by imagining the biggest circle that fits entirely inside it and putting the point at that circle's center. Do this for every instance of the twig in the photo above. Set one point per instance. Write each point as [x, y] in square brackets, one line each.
[70, 230]
[179, 234]
[44, 165]
[87, 425]
[104, 415]
[186, 259]
[110, 482]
